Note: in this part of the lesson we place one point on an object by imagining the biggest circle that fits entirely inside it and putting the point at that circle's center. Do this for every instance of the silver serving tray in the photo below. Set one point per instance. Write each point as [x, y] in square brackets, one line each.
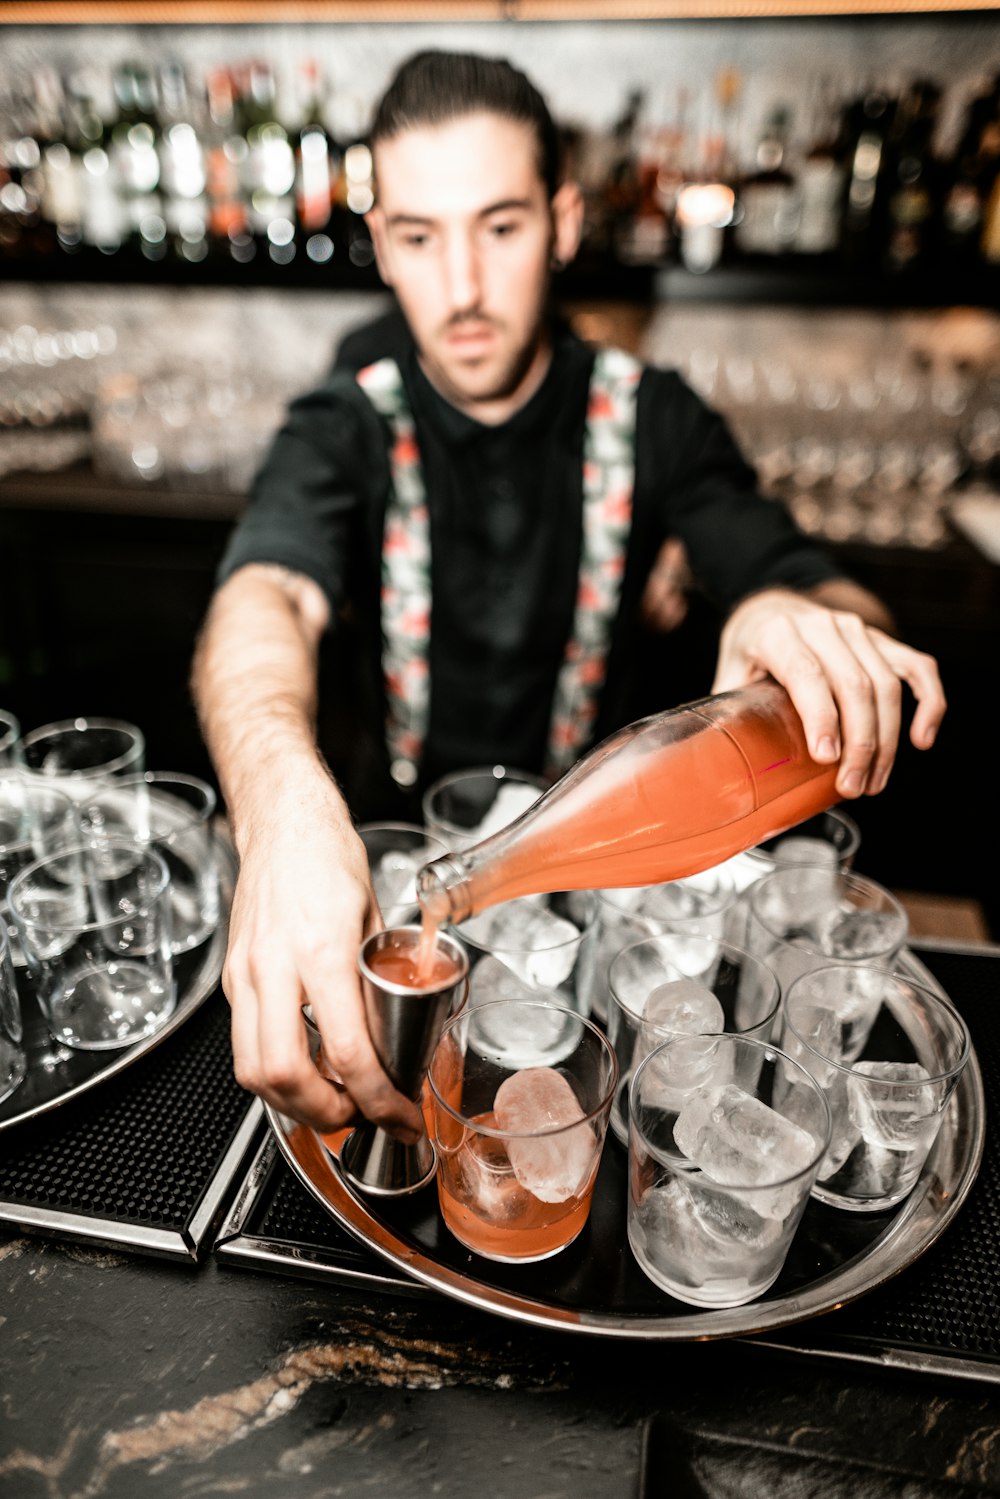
[407, 1236]
[57, 1075]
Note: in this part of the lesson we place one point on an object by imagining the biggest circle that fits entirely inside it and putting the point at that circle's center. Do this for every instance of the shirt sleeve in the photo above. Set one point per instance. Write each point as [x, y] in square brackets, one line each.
[304, 503]
[737, 539]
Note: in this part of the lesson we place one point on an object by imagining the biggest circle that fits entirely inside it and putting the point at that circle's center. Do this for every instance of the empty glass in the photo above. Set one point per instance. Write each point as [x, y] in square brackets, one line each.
[10, 733]
[96, 934]
[887, 1053]
[35, 819]
[80, 750]
[683, 984]
[466, 806]
[172, 813]
[13, 1063]
[719, 1172]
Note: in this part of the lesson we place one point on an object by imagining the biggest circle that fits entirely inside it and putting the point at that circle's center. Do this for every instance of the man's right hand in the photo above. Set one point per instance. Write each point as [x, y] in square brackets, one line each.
[302, 907]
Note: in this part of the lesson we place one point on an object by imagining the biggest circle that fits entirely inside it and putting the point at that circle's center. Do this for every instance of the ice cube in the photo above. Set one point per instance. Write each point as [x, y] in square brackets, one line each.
[746, 869]
[874, 1174]
[739, 1141]
[555, 1166]
[893, 1104]
[682, 1005]
[535, 943]
[483, 1179]
[698, 1237]
[797, 848]
[513, 798]
[394, 880]
[533, 1034]
[853, 935]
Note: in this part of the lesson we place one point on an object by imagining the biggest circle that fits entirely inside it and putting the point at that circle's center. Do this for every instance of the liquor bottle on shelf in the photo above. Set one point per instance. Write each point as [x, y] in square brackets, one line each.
[913, 186]
[269, 165]
[664, 798]
[225, 154]
[182, 167]
[317, 165]
[869, 123]
[768, 195]
[135, 160]
[821, 180]
[91, 113]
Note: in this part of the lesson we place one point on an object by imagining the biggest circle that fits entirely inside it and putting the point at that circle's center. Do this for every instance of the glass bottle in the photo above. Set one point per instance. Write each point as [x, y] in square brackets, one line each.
[663, 798]
[768, 194]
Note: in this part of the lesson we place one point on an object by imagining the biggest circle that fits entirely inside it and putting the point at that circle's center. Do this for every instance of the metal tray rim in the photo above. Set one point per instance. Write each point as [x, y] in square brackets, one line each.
[921, 1219]
[197, 991]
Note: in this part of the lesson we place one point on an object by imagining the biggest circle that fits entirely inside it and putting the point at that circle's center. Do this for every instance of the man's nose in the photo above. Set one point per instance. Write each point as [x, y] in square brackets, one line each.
[462, 273]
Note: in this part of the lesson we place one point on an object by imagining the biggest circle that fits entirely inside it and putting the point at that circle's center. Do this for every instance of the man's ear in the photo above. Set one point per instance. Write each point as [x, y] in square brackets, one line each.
[567, 221]
[375, 219]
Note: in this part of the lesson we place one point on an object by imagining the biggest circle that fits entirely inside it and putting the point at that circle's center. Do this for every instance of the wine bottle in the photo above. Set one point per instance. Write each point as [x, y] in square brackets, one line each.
[663, 798]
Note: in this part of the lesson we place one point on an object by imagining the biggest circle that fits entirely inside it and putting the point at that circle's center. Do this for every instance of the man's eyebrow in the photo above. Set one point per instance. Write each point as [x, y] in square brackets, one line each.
[505, 205]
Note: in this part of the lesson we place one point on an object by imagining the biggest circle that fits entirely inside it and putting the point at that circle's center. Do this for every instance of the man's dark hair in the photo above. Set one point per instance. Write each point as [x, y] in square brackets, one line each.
[433, 88]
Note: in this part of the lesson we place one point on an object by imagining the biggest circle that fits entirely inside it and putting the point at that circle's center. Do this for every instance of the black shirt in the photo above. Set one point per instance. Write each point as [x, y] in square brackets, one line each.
[505, 507]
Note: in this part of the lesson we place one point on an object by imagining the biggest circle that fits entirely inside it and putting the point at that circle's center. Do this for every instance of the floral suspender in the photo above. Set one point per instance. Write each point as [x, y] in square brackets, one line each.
[608, 479]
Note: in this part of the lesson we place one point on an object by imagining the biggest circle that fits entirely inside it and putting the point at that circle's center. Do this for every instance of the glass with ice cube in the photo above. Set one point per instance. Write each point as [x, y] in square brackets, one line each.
[462, 808]
[396, 850]
[888, 1052]
[518, 1146]
[683, 983]
[719, 1173]
[35, 819]
[537, 948]
[807, 916]
[703, 902]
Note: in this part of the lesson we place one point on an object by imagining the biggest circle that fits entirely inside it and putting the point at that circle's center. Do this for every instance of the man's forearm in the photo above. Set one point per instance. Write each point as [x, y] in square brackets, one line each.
[254, 682]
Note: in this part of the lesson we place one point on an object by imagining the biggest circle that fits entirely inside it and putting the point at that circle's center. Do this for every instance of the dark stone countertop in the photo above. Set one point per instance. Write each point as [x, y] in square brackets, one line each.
[122, 1376]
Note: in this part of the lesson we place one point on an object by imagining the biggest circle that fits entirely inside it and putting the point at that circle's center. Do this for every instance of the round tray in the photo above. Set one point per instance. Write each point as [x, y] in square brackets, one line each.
[595, 1286]
[55, 1074]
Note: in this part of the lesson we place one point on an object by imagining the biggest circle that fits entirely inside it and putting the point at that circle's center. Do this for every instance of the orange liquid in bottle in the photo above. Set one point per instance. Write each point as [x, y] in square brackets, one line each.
[657, 802]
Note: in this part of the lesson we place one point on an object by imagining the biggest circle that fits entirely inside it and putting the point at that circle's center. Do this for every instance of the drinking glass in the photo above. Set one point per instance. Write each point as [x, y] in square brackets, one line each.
[830, 838]
[462, 808]
[35, 819]
[537, 948]
[700, 903]
[719, 1172]
[13, 1063]
[96, 934]
[10, 733]
[518, 1145]
[887, 1052]
[805, 916]
[396, 850]
[80, 750]
[173, 814]
[653, 997]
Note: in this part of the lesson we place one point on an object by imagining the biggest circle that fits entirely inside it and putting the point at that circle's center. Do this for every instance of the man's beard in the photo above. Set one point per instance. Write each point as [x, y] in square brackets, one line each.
[474, 385]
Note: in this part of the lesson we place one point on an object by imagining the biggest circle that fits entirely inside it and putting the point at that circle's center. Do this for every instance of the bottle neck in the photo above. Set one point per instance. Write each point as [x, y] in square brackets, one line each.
[443, 890]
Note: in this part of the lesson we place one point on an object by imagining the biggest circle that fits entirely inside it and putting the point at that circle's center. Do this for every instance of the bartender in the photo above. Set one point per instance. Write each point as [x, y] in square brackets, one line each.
[486, 498]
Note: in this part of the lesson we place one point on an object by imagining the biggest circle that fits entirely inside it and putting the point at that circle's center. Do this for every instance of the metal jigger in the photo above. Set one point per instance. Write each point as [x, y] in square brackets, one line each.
[404, 1024]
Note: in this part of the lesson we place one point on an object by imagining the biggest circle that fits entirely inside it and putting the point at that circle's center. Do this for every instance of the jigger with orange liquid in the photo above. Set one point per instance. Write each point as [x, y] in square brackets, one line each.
[405, 1014]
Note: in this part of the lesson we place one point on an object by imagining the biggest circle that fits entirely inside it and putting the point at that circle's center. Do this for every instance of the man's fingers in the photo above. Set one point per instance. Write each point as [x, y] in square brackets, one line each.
[920, 673]
[334, 991]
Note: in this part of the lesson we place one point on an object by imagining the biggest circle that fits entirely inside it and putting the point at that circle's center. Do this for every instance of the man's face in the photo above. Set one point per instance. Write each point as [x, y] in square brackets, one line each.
[465, 234]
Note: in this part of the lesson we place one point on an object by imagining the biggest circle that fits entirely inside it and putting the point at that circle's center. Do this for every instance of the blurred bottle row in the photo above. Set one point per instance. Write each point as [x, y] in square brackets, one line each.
[866, 181]
[247, 164]
[137, 159]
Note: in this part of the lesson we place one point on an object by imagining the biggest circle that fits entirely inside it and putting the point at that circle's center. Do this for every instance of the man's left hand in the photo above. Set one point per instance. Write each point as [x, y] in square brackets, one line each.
[843, 673]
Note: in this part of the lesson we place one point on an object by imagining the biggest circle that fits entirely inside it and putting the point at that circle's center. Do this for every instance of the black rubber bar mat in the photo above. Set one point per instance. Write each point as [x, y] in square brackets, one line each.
[145, 1161]
[942, 1313]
